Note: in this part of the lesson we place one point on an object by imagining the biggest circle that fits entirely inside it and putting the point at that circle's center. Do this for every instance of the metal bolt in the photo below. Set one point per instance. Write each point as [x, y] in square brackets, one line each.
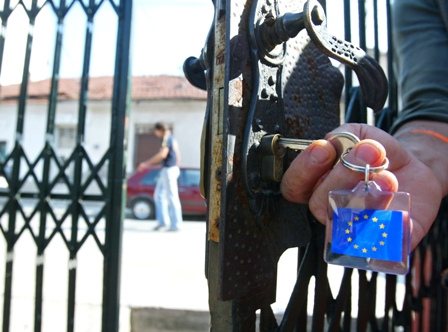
[317, 15]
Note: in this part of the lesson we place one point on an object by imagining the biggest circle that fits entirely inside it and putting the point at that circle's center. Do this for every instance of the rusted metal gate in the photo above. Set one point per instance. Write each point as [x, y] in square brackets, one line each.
[265, 66]
[43, 212]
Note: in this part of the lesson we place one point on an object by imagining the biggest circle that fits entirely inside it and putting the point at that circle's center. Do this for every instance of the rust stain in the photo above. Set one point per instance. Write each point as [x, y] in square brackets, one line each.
[220, 58]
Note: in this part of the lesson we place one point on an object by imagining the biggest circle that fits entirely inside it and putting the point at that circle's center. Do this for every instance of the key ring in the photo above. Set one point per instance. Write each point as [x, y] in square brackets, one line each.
[363, 169]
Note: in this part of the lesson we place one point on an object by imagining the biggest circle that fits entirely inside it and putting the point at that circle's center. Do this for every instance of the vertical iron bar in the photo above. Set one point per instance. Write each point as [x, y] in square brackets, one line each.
[9, 235]
[321, 288]
[72, 279]
[375, 31]
[297, 301]
[362, 319]
[25, 78]
[393, 91]
[55, 77]
[347, 321]
[39, 278]
[363, 45]
[14, 185]
[45, 188]
[390, 304]
[83, 98]
[78, 160]
[371, 302]
[348, 37]
[117, 174]
[362, 24]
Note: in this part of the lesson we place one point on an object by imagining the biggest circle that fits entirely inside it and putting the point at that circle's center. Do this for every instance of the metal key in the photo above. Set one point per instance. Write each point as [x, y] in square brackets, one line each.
[274, 147]
[341, 141]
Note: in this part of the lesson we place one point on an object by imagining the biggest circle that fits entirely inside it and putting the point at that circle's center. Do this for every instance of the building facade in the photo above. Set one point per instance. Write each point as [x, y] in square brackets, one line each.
[154, 98]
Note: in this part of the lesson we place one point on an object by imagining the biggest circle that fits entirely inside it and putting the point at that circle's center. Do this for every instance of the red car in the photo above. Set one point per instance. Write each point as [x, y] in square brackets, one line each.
[141, 186]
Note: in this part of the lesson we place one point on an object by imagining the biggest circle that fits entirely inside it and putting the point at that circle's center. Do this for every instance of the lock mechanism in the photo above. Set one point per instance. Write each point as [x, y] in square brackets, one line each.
[273, 150]
[266, 69]
[272, 158]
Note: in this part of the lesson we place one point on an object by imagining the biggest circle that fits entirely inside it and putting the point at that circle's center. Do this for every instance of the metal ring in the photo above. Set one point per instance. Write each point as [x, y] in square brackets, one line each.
[363, 169]
[367, 175]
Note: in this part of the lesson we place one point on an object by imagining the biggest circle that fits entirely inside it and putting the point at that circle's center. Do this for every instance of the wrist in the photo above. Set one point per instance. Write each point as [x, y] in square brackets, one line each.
[428, 142]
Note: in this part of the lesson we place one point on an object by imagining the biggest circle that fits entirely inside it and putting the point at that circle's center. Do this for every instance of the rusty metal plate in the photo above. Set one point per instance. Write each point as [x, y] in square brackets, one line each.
[297, 96]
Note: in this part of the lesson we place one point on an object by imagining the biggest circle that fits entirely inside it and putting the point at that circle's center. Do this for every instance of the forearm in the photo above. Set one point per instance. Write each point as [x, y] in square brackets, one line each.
[429, 149]
[157, 158]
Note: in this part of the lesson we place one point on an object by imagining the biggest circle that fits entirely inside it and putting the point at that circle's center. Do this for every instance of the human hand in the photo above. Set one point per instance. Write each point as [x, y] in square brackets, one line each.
[142, 166]
[311, 175]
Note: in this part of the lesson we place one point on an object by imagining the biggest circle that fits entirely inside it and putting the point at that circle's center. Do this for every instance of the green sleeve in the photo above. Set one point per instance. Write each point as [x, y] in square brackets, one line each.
[421, 46]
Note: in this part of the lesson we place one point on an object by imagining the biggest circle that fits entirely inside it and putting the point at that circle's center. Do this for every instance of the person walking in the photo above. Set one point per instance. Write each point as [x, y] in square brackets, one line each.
[166, 194]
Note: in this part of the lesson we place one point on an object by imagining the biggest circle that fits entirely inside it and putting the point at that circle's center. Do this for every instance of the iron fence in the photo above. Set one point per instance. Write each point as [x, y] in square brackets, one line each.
[33, 206]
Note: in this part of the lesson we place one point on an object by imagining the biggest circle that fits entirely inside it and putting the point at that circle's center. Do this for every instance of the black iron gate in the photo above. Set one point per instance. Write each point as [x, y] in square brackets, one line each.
[266, 70]
[42, 210]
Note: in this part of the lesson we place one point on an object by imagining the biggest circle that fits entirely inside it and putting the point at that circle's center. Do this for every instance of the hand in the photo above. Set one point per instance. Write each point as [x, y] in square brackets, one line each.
[142, 166]
[311, 175]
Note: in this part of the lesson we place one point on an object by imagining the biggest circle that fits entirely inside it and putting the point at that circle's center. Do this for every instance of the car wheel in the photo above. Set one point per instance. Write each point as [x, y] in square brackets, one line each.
[143, 208]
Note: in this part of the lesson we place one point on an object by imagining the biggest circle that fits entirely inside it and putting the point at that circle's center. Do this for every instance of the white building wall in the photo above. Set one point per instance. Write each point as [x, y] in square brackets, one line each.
[8, 119]
[187, 118]
[98, 122]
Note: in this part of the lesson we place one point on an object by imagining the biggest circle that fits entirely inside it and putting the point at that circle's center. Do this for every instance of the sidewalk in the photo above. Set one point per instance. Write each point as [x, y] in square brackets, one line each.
[162, 274]
[166, 270]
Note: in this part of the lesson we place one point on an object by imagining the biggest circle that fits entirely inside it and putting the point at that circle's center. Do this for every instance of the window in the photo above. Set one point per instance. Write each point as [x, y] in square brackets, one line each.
[189, 178]
[65, 137]
[150, 179]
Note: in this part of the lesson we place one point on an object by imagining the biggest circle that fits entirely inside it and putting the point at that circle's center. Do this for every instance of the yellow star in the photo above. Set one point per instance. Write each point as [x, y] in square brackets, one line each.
[356, 246]
[374, 248]
[347, 231]
[382, 243]
[364, 250]
[384, 234]
[349, 239]
[382, 226]
[375, 219]
[350, 223]
[366, 216]
[356, 218]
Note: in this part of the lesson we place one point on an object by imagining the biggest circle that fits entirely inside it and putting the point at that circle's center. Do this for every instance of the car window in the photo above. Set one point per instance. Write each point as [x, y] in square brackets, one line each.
[189, 178]
[150, 178]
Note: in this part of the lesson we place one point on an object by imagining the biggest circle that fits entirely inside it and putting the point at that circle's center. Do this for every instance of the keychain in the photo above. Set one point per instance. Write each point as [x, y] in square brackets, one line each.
[368, 228]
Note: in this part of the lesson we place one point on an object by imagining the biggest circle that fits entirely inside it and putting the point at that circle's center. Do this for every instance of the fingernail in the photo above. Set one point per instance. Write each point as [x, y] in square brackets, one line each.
[367, 153]
[319, 154]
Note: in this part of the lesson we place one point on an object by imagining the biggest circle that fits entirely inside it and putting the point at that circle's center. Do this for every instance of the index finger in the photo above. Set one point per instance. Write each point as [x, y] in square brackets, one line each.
[307, 170]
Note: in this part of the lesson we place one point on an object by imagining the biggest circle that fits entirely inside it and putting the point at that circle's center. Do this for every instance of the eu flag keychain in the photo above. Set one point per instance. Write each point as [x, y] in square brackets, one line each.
[368, 228]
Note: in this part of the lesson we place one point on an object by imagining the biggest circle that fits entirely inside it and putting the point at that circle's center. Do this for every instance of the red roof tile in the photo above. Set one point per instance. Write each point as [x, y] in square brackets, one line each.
[100, 88]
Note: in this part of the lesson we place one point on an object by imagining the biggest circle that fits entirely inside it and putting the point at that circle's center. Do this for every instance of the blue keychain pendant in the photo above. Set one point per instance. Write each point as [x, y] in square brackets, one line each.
[368, 228]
